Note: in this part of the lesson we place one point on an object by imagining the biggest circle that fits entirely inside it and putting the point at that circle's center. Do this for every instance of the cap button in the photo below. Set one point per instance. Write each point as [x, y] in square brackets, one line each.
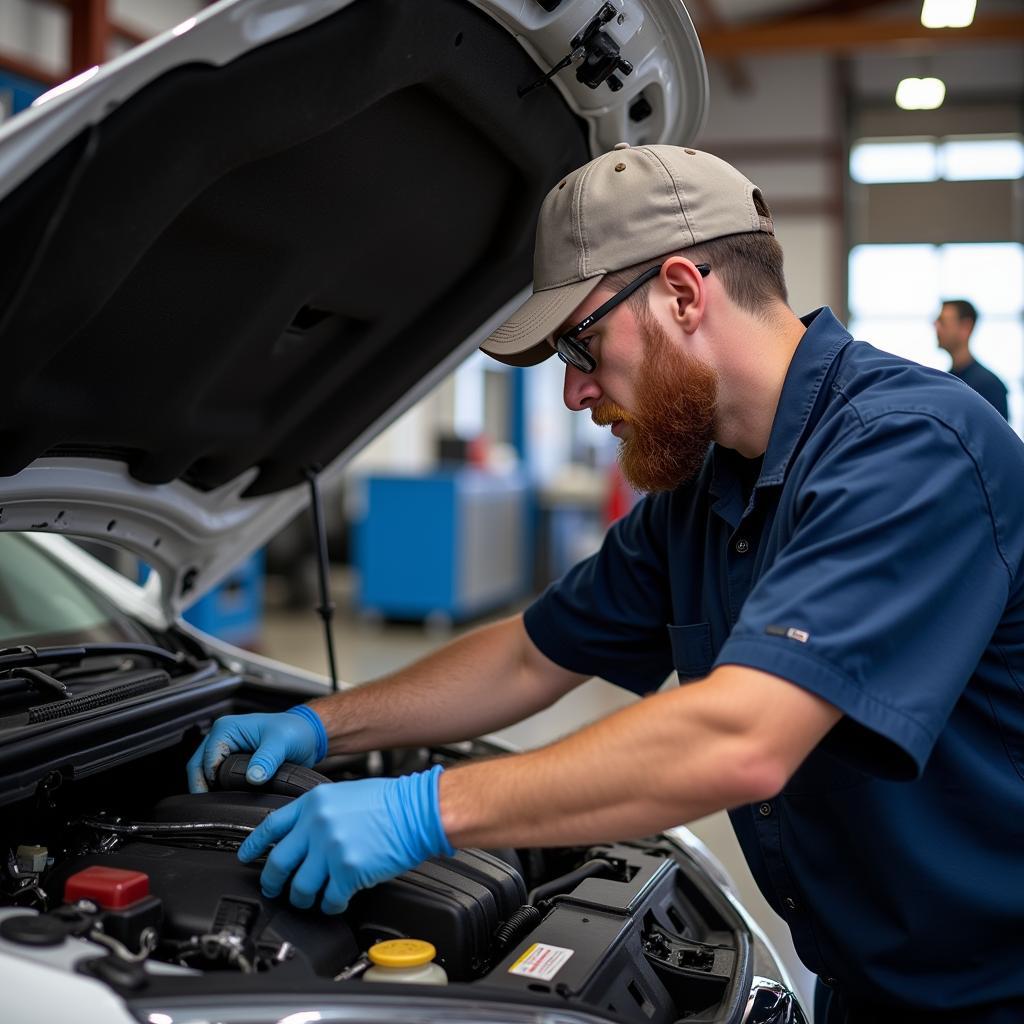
[621, 145]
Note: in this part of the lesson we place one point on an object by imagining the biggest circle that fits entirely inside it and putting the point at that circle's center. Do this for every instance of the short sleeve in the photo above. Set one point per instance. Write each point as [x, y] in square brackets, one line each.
[886, 591]
[607, 616]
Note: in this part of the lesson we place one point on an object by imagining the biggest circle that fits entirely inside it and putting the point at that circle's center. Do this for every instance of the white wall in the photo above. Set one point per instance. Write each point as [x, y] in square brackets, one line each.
[790, 98]
[813, 264]
[784, 134]
[966, 72]
[35, 32]
[408, 444]
[152, 16]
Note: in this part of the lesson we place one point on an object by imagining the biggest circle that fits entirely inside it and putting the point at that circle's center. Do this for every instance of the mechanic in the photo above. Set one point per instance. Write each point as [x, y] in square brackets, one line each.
[953, 328]
[830, 559]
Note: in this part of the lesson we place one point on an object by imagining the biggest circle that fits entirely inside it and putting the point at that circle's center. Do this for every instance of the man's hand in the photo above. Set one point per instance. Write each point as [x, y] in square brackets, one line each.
[348, 836]
[296, 735]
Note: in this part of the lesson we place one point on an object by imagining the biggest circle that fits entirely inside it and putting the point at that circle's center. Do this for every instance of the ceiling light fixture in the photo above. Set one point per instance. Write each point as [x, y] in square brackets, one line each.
[947, 13]
[920, 93]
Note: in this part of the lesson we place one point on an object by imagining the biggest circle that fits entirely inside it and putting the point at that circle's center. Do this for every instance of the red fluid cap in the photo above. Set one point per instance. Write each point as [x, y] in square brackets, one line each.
[111, 888]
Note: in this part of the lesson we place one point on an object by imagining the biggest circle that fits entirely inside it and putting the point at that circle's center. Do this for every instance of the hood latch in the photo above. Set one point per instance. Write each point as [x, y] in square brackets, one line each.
[596, 53]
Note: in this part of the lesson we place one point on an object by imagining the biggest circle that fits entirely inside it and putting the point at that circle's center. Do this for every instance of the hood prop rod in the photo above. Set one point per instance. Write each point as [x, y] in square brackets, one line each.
[326, 607]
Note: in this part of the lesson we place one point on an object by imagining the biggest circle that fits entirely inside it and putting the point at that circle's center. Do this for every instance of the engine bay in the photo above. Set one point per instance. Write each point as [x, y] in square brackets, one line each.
[124, 876]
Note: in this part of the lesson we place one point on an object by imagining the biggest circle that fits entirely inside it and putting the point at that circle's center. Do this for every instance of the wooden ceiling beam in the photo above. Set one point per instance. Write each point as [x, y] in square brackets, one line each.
[852, 34]
[90, 34]
[819, 8]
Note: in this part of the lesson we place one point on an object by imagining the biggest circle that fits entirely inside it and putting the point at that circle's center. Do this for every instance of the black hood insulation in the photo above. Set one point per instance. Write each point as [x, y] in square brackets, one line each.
[248, 265]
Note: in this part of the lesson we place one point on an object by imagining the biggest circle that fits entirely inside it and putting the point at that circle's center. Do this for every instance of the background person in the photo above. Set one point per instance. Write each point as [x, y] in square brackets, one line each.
[830, 556]
[953, 327]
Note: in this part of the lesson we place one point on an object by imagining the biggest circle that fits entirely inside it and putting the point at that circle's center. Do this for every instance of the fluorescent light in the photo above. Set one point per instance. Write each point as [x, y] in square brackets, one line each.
[920, 93]
[947, 13]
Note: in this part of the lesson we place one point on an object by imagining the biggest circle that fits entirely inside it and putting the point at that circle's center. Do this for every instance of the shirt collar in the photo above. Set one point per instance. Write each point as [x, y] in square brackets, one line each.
[822, 341]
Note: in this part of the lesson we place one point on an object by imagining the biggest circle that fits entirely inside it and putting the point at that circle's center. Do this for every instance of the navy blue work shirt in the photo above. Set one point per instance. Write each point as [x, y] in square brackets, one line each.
[877, 564]
[986, 383]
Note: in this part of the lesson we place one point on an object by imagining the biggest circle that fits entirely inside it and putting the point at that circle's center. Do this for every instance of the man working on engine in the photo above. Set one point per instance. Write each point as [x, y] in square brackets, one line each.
[830, 557]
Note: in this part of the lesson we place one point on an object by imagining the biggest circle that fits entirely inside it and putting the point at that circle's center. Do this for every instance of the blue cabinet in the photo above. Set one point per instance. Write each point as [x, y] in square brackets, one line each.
[233, 610]
[448, 545]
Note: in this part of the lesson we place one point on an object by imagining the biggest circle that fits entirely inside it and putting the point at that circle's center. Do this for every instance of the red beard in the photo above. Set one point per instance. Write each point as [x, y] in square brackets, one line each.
[673, 424]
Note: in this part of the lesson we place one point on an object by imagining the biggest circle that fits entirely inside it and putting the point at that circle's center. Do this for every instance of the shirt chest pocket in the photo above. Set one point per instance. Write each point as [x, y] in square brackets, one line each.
[692, 653]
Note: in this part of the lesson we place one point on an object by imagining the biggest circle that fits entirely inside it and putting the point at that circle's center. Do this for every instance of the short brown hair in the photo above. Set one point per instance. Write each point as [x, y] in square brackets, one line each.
[964, 310]
[749, 266]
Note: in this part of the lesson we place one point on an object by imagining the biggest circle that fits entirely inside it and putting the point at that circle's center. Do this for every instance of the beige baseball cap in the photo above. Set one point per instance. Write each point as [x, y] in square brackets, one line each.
[624, 207]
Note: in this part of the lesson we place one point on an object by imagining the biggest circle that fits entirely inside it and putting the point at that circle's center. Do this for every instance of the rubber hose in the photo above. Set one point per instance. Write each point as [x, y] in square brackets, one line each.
[597, 866]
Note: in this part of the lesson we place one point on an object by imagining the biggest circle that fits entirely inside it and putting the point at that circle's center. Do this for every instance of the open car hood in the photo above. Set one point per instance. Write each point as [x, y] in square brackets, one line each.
[242, 249]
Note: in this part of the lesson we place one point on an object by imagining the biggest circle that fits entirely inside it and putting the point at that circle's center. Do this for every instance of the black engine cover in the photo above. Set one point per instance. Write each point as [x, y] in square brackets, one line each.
[457, 903]
[191, 884]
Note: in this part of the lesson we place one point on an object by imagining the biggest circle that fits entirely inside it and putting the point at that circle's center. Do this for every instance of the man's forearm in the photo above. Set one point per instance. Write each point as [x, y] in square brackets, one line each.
[483, 681]
[659, 763]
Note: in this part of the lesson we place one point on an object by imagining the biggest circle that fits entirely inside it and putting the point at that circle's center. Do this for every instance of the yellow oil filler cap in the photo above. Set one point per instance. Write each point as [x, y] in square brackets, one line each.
[405, 960]
[402, 953]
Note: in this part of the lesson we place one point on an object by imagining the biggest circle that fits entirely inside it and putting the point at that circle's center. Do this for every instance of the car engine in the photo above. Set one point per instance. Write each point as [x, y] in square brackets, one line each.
[121, 875]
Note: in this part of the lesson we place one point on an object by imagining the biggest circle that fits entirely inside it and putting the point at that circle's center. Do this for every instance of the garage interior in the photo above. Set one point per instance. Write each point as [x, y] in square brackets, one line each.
[882, 212]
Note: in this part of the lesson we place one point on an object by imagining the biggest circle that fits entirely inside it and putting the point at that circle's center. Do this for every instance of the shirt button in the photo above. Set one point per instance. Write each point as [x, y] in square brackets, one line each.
[742, 546]
[831, 982]
[789, 902]
[764, 810]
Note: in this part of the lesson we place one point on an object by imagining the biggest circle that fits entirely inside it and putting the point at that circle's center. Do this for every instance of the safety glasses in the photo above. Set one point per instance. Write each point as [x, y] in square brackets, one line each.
[572, 348]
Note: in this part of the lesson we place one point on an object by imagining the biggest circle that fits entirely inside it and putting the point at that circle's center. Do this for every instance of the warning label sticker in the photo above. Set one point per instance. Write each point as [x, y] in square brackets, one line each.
[541, 961]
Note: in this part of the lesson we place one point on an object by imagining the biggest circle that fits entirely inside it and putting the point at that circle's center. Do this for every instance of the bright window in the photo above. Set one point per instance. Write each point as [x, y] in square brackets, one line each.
[875, 162]
[955, 158]
[896, 292]
[901, 280]
[990, 275]
[974, 159]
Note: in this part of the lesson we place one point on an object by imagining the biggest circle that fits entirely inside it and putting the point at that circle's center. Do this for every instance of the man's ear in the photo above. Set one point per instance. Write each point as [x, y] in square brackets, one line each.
[687, 290]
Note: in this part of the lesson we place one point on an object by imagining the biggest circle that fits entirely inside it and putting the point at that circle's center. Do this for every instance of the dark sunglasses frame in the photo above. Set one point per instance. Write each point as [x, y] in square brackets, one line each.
[573, 352]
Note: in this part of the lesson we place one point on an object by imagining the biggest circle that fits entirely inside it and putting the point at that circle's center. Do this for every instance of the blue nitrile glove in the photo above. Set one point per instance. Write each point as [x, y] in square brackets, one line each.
[349, 836]
[295, 735]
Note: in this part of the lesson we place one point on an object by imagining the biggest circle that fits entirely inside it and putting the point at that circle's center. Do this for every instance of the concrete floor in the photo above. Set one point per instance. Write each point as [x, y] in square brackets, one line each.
[367, 649]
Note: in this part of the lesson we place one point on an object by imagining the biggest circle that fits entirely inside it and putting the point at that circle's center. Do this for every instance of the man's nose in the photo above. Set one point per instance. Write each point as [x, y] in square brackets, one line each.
[580, 390]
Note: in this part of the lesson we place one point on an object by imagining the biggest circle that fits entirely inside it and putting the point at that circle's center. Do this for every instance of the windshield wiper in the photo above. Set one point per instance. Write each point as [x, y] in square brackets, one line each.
[28, 655]
[40, 681]
[127, 685]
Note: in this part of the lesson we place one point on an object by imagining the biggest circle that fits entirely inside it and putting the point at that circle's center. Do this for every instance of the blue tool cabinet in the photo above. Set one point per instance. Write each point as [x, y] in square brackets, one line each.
[448, 545]
[233, 610]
